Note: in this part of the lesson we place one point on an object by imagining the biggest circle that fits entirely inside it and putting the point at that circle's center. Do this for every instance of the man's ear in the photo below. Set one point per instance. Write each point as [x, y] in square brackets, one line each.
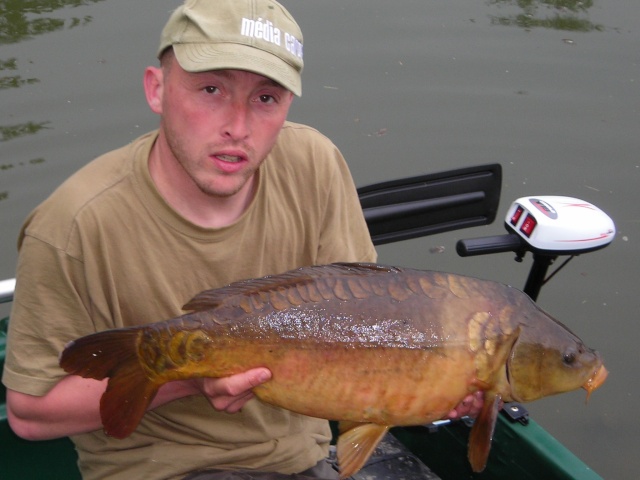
[153, 88]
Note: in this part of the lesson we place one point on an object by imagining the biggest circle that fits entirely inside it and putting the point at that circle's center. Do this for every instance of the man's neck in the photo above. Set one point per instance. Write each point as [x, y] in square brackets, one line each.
[201, 209]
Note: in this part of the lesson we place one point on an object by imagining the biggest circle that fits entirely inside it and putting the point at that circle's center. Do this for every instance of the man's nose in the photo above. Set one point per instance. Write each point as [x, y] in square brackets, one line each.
[237, 121]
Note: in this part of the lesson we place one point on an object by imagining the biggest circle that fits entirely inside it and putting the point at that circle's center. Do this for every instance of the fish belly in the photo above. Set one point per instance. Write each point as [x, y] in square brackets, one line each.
[389, 386]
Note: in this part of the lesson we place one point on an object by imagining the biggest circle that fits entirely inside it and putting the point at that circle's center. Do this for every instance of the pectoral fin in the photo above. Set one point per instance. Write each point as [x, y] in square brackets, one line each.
[356, 443]
[482, 431]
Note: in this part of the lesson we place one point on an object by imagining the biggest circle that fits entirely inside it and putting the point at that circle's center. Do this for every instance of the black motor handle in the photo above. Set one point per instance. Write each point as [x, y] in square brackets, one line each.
[509, 242]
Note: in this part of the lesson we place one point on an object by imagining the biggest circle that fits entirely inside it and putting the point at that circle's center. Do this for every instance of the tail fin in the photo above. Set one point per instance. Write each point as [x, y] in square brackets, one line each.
[113, 354]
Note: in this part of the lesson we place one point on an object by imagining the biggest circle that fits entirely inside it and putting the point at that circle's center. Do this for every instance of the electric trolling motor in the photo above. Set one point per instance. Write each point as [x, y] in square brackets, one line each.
[547, 226]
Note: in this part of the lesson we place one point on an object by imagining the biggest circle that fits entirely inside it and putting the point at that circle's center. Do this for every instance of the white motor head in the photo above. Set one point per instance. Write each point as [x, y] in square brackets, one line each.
[560, 225]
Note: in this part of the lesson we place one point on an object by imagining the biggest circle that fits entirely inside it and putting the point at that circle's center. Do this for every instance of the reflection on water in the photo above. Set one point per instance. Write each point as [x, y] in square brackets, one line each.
[9, 132]
[17, 22]
[22, 20]
[570, 15]
[13, 81]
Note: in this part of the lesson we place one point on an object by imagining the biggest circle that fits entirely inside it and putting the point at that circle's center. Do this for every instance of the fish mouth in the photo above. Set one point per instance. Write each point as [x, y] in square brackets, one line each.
[596, 380]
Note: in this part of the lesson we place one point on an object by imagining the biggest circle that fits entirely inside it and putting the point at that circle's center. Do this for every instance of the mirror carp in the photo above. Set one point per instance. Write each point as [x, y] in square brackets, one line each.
[368, 345]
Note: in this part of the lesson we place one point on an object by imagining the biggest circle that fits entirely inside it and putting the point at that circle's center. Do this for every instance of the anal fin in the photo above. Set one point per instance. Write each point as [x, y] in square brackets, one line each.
[356, 443]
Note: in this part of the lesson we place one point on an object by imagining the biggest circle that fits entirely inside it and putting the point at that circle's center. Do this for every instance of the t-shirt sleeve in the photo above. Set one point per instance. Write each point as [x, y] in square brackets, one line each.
[344, 236]
[48, 311]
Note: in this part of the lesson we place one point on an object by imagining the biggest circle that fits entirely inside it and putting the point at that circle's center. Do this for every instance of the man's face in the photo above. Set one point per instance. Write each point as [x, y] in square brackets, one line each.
[219, 125]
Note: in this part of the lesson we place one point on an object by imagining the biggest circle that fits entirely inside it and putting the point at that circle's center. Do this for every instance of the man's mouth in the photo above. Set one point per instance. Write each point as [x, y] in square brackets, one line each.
[229, 158]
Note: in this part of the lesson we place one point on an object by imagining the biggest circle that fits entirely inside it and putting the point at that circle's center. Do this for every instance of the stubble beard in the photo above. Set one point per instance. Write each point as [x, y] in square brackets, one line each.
[187, 161]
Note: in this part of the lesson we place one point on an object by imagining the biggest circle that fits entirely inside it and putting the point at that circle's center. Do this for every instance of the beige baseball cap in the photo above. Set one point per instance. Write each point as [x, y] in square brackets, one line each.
[259, 36]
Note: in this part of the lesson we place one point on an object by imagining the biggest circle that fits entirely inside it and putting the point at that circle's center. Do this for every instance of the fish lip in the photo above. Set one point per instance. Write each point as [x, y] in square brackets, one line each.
[596, 380]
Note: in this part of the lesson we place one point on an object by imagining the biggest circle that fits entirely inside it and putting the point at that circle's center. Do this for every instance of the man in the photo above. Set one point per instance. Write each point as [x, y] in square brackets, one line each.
[224, 190]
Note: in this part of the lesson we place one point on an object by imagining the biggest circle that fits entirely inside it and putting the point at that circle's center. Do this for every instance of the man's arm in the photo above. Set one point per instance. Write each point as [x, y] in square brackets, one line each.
[72, 407]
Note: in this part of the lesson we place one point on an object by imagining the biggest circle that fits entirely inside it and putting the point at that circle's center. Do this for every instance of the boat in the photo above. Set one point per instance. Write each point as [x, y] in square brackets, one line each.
[398, 210]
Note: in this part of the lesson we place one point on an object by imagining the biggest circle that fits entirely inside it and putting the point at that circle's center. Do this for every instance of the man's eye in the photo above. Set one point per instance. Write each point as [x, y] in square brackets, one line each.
[211, 89]
[266, 99]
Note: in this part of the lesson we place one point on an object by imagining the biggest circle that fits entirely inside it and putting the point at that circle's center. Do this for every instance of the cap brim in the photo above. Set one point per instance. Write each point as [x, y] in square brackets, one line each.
[199, 57]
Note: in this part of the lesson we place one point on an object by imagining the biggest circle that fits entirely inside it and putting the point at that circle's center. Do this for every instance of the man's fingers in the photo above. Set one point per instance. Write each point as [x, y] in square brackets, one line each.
[231, 393]
[470, 406]
[230, 404]
[258, 376]
[241, 383]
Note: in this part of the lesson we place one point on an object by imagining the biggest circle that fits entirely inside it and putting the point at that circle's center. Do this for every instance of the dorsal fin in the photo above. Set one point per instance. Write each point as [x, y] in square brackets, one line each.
[230, 294]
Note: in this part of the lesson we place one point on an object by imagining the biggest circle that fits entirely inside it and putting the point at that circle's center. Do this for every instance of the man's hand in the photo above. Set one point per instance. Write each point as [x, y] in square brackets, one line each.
[470, 406]
[230, 394]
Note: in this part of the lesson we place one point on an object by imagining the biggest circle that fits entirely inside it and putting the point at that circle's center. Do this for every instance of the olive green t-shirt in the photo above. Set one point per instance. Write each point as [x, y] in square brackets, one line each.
[106, 251]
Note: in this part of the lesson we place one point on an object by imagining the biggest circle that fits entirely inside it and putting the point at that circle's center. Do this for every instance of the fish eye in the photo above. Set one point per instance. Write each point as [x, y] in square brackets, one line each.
[569, 358]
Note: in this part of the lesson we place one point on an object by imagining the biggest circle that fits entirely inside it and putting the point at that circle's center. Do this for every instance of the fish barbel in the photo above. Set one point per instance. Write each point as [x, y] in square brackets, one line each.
[368, 345]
